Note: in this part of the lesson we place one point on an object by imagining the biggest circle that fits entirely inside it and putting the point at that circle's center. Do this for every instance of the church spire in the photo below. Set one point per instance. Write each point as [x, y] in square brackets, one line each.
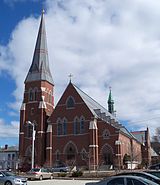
[111, 103]
[39, 70]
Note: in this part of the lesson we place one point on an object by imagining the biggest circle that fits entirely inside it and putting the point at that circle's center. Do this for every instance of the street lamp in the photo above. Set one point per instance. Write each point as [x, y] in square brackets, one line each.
[33, 139]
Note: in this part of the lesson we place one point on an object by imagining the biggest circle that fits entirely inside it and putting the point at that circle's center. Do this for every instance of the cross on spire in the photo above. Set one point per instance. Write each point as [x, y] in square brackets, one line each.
[43, 11]
[70, 77]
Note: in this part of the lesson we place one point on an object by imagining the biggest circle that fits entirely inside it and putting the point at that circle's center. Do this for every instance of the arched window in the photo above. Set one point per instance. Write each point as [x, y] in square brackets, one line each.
[57, 155]
[35, 93]
[64, 126]
[28, 152]
[70, 102]
[30, 95]
[76, 126]
[29, 130]
[32, 111]
[106, 134]
[82, 125]
[59, 127]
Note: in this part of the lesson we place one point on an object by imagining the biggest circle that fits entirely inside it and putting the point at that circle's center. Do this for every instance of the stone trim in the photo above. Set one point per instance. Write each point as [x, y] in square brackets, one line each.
[23, 106]
[93, 146]
[49, 148]
[40, 132]
[93, 125]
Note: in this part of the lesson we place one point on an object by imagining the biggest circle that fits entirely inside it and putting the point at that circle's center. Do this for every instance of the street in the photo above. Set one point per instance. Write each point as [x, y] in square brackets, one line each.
[60, 182]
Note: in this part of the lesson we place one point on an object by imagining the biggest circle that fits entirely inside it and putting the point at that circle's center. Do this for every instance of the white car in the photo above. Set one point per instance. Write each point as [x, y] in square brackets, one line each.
[39, 173]
[8, 178]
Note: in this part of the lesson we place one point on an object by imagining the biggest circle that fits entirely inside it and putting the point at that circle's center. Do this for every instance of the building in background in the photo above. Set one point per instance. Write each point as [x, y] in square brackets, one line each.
[9, 157]
[144, 138]
[78, 131]
[155, 152]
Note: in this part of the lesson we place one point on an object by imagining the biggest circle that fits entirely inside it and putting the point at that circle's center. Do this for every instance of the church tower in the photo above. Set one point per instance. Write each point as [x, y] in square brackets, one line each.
[111, 103]
[38, 104]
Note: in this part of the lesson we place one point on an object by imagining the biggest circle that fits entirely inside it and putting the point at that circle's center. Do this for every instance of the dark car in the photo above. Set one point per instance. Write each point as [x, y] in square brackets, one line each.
[155, 167]
[123, 180]
[9, 178]
[142, 174]
[60, 168]
[154, 172]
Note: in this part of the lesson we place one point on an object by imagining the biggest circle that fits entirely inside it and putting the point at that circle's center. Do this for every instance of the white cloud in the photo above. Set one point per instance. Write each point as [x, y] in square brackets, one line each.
[9, 130]
[103, 43]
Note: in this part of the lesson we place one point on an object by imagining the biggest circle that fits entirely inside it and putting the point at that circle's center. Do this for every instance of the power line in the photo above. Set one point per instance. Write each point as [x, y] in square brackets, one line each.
[140, 121]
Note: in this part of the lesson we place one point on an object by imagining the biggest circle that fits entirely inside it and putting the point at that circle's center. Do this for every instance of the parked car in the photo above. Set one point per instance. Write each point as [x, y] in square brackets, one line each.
[9, 178]
[39, 173]
[60, 168]
[142, 174]
[123, 180]
[154, 172]
[155, 167]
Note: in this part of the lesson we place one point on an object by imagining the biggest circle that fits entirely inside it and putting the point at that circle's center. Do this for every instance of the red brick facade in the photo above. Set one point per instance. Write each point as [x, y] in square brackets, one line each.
[37, 106]
[72, 134]
[78, 132]
[97, 144]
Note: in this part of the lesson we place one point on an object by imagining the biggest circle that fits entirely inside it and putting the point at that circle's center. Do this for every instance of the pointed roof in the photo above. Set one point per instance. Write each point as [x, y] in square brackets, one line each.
[100, 112]
[39, 70]
[110, 99]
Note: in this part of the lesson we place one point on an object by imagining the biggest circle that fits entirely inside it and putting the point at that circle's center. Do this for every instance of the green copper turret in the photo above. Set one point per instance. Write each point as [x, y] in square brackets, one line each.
[111, 103]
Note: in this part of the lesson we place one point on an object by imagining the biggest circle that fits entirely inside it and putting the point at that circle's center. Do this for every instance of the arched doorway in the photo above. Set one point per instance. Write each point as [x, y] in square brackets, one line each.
[106, 156]
[70, 151]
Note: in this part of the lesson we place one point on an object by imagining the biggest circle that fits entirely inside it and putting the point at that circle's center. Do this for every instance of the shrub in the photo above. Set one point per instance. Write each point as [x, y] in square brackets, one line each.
[62, 174]
[77, 173]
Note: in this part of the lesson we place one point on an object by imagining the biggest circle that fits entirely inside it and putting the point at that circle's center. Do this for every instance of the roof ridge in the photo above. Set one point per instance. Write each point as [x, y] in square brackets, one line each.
[90, 98]
[103, 110]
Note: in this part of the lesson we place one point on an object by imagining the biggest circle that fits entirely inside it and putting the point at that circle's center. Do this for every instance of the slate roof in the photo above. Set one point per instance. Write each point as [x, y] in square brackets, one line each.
[39, 69]
[100, 112]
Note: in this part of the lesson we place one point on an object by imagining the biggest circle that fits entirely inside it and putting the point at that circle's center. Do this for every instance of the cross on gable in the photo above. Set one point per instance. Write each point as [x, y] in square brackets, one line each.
[70, 76]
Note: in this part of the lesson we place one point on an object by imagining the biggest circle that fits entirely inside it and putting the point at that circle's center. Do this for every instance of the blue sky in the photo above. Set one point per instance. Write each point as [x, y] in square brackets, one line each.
[11, 13]
[103, 43]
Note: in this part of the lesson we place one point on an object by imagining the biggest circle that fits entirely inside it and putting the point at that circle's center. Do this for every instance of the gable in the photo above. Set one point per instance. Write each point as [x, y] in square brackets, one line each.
[70, 105]
[87, 106]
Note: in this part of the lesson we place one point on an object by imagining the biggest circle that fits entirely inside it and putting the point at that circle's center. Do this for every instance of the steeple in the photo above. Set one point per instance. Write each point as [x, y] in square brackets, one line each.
[39, 70]
[38, 103]
[111, 103]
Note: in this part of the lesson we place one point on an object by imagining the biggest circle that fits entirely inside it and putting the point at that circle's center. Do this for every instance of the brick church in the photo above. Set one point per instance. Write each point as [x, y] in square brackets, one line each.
[78, 131]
